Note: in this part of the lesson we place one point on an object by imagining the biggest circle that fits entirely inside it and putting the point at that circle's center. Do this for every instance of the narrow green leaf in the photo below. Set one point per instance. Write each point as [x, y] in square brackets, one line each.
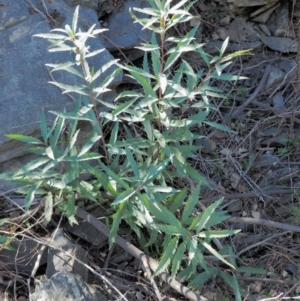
[159, 211]
[215, 253]
[236, 289]
[111, 174]
[201, 220]
[24, 138]
[190, 204]
[166, 257]
[251, 270]
[121, 108]
[201, 278]
[192, 248]
[117, 217]
[177, 201]
[31, 193]
[220, 127]
[173, 230]
[132, 162]
[58, 131]
[124, 196]
[176, 262]
[154, 171]
[224, 46]
[51, 36]
[88, 144]
[217, 233]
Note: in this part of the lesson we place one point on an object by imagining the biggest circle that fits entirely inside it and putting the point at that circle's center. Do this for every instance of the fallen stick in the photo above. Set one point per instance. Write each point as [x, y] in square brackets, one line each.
[264, 222]
[131, 249]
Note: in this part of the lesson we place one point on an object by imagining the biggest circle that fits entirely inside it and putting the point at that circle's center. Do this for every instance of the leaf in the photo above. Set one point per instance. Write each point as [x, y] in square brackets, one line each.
[111, 174]
[162, 79]
[217, 233]
[51, 36]
[192, 248]
[24, 138]
[201, 278]
[58, 130]
[124, 196]
[232, 282]
[159, 211]
[31, 193]
[251, 270]
[220, 127]
[132, 162]
[236, 289]
[154, 171]
[215, 253]
[201, 220]
[121, 108]
[177, 200]
[190, 204]
[176, 262]
[116, 222]
[173, 230]
[224, 46]
[166, 257]
[48, 207]
[88, 144]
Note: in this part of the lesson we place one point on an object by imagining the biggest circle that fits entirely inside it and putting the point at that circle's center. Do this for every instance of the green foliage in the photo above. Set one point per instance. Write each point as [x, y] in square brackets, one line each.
[137, 170]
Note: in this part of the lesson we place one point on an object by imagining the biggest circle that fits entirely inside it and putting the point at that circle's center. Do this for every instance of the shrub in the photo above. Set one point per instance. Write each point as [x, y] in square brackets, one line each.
[151, 144]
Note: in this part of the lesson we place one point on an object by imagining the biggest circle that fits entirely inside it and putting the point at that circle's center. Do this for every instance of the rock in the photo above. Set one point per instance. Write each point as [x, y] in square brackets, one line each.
[234, 206]
[86, 231]
[264, 17]
[59, 261]
[24, 255]
[123, 32]
[279, 22]
[88, 3]
[277, 101]
[275, 78]
[68, 287]
[265, 29]
[248, 2]
[283, 45]
[24, 77]
[267, 160]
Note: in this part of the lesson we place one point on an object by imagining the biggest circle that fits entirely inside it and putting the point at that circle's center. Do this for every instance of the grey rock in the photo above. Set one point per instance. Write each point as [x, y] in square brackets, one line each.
[265, 29]
[278, 101]
[275, 78]
[234, 206]
[24, 256]
[60, 261]
[263, 17]
[88, 3]
[68, 287]
[279, 22]
[24, 77]
[267, 160]
[284, 45]
[123, 32]
[86, 231]
[291, 269]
